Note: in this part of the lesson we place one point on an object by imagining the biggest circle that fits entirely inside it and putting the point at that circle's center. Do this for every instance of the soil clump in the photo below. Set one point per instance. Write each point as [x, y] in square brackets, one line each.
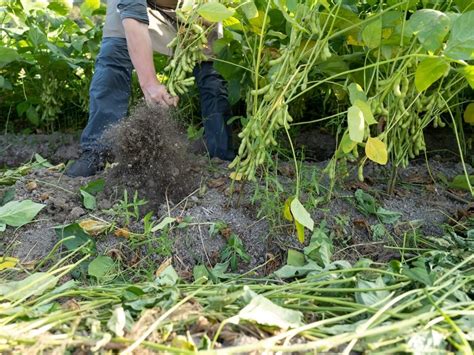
[152, 156]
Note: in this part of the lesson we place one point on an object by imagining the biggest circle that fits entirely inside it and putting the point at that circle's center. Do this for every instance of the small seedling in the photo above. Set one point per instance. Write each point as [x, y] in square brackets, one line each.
[233, 251]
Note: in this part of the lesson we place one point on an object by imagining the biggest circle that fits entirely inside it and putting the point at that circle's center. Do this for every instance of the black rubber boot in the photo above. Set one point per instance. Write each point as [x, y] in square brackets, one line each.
[88, 164]
[215, 110]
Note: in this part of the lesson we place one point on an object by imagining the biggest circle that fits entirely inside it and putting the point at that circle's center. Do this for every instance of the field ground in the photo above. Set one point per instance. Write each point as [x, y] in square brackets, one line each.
[363, 257]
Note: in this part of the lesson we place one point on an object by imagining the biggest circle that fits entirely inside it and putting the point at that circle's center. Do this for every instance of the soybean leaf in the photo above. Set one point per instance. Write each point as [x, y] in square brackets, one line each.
[215, 12]
[426, 342]
[429, 71]
[469, 114]
[3, 227]
[200, 272]
[356, 93]
[460, 45]
[34, 285]
[367, 112]
[19, 213]
[88, 200]
[117, 321]
[295, 258]
[356, 123]
[60, 7]
[7, 262]
[88, 7]
[468, 72]
[369, 298]
[289, 271]
[76, 237]
[168, 277]
[94, 187]
[386, 216]
[101, 268]
[365, 202]
[320, 248]
[372, 33]
[301, 215]
[376, 150]
[8, 55]
[249, 9]
[430, 27]
[460, 182]
[420, 273]
[164, 223]
[264, 312]
[347, 145]
[8, 195]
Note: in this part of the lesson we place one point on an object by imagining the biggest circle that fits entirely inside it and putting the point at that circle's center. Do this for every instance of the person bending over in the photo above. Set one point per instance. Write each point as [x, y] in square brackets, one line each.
[132, 31]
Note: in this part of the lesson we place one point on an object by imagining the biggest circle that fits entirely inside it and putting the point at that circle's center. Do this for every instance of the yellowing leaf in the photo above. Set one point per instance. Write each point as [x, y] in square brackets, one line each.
[122, 232]
[376, 150]
[468, 73]
[164, 265]
[299, 232]
[7, 262]
[287, 209]
[354, 42]
[469, 114]
[93, 227]
[235, 176]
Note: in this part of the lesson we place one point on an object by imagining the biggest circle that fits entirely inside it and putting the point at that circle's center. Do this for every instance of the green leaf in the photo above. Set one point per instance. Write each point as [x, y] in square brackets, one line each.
[460, 45]
[365, 202]
[34, 285]
[8, 55]
[61, 7]
[429, 71]
[320, 248]
[356, 93]
[164, 223]
[88, 200]
[102, 268]
[94, 187]
[295, 258]
[301, 215]
[419, 273]
[168, 277]
[290, 271]
[460, 182]
[264, 312]
[75, 234]
[19, 213]
[88, 7]
[372, 33]
[356, 123]
[347, 145]
[366, 111]
[369, 298]
[249, 9]
[3, 227]
[468, 72]
[386, 216]
[430, 27]
[200, 272]
[5, 84]
[215, 12]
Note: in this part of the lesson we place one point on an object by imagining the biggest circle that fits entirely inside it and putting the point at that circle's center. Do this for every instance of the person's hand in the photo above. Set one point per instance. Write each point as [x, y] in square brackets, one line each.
[157, 94]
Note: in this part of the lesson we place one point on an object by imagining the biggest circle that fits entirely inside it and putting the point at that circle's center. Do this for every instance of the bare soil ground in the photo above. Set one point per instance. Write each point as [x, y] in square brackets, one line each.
[154, 158]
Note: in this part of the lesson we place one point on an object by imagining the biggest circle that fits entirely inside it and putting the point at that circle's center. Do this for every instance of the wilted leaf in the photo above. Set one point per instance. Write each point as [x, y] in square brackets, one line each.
[264, 312]
[93, 227]
[7, 262]
[34, 285]
[320, 247]
[376, 151]
[164, 223]
[287, 209]
[164, 265]
[419, 273]
[122, 232]
[167, 277]
[386, 216]
[370, 298]
[18, 213]
[235, 176]
[117, 321]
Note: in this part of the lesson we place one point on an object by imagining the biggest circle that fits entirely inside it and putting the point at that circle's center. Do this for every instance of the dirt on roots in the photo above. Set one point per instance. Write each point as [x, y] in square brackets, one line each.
[152, 156]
